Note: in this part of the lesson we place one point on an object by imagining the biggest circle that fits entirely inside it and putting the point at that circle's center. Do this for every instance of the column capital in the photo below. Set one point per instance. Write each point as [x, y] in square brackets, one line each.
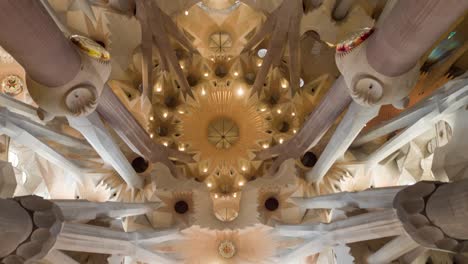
[434, 214]
[79, 96]
[30, 228]
[365, 85]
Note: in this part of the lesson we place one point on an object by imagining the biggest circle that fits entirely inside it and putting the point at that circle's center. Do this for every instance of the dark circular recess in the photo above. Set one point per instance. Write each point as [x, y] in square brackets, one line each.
[163, 131]
[273, 100]
[192, 80]
[271, 204]
[181, 207]
[283, 127]
[140, 164]
[249, 78]
[170, 102]
[180, 54]
[221, 71]
[309, 159]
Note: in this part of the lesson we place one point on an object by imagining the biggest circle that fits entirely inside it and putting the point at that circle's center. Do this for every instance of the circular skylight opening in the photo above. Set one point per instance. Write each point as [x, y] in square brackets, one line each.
[301, 82]
[261, 53]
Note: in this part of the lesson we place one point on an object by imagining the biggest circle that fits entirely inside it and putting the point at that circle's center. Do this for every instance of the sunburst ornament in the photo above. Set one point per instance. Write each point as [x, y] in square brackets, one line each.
[254, 244]
[179, 205]
[227, 249]
[223, 126]
[12, 85]
[272, 203]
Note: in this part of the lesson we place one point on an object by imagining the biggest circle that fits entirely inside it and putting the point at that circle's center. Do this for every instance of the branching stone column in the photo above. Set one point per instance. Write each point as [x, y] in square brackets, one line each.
[32, 227]
[69, 79]
[452, 93]
[341, 9]
[10, 124]
[434, 214]
[372, 84]
[426, 215]
[357, 228]
[392, 250]
[452, 98]
[101, 240]
[97, 135]
[30, 35]
[29, 227]
[372, 198]
[76, 210]
[8, 182]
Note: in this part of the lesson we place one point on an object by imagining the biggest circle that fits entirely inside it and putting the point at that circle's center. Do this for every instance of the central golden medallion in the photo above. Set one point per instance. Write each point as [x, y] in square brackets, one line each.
[223, 132]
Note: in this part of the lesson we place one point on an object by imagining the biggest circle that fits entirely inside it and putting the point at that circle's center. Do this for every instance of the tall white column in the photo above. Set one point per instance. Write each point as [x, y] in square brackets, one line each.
[101, 240]
[372, 198]
[97, 135]
[353, 122]
[24, 137]
[443, 106]
[393, 250]
[357, 228]
[74, 210]
[451, 92]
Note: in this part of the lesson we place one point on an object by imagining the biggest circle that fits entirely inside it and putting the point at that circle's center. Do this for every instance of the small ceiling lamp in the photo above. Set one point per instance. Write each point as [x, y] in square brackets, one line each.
[240, 91]
[261, 53]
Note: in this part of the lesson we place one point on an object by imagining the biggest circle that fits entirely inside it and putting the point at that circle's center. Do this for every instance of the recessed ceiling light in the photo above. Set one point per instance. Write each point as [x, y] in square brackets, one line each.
[261, 53]
[240, 91]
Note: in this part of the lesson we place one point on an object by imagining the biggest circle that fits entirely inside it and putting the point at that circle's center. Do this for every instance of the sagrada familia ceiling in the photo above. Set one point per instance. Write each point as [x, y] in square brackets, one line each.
[233, 131]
